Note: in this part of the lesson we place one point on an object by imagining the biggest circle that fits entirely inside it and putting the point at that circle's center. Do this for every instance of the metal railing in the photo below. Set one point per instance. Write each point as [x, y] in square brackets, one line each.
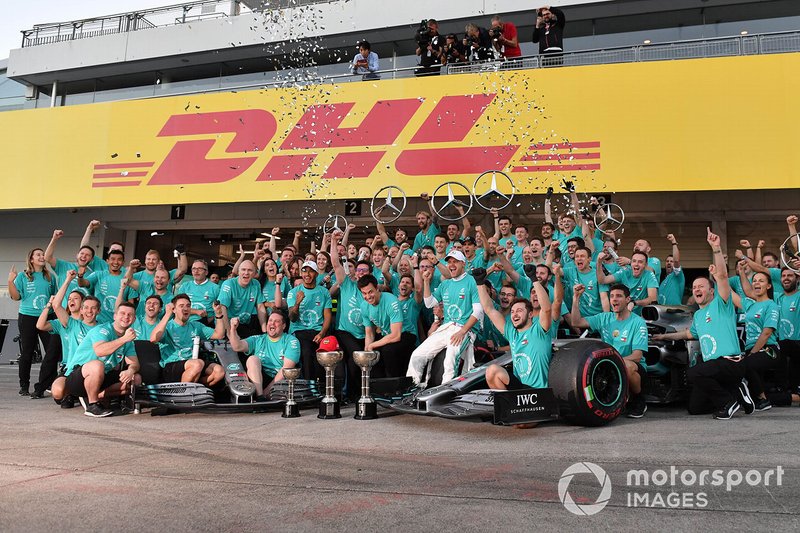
[739, 45]
[133, 21]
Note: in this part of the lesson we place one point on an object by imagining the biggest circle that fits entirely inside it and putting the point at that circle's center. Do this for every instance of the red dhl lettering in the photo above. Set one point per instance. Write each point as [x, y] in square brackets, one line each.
[319, 130]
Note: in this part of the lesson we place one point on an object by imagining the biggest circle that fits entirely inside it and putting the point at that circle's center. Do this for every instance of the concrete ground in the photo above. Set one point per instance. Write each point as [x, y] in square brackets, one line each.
[60, 470]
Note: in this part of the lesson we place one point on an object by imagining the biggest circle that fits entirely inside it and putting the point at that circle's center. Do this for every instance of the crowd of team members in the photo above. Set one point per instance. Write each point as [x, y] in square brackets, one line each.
[456, 291]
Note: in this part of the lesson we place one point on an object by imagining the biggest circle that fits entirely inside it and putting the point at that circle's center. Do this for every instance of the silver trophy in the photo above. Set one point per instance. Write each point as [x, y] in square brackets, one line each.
[366, 409]
[329, 406]
[291, 409]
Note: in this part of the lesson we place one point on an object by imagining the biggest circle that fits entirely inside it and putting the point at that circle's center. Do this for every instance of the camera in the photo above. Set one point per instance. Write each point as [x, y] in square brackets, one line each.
[469, 40]
[495, 33]
[423, 35]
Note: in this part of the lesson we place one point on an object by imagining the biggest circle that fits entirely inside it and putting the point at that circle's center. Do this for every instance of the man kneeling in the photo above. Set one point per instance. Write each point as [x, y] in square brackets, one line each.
[176, 340]
[95, 373]
[529, 340]
[269, 353]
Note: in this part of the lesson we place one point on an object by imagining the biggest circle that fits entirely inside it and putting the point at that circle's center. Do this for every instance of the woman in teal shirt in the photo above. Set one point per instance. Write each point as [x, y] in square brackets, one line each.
[762, 317]
[32, 288]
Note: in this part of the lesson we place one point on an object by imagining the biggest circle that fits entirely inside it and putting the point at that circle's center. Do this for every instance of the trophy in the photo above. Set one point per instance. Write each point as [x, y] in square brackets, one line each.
[291, 409]
[329, 406]
[366, 409]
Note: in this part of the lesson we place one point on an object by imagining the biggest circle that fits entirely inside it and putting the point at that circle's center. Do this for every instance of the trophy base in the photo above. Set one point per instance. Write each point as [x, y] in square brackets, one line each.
[366, 410]
[329, 410]
[291, 411]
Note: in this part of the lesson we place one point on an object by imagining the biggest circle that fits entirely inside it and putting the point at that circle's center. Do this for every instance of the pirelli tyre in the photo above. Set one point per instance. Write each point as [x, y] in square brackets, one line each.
[589, 382]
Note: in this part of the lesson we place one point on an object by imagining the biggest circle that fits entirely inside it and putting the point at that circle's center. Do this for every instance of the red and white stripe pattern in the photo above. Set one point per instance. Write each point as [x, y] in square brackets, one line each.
[120, 174]
[560, 157]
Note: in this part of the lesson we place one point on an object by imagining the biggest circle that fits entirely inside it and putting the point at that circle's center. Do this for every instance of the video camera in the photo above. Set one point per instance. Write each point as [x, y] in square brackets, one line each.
[424, 34]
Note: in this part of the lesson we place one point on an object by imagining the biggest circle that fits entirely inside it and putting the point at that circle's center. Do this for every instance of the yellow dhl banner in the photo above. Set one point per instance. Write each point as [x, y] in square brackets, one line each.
[709, 124]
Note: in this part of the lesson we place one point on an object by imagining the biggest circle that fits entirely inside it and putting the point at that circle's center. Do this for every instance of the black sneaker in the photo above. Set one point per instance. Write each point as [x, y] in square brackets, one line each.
[84, 402]
[37, 395]
[637, 407]
[763, 405]
[23, 390]
[68, 402]
[727, 412]
[745, 399]
[96, 410]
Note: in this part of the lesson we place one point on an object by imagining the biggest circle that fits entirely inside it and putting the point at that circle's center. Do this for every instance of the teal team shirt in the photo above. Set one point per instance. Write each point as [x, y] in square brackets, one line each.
[715, 327]
[348, 313]
[272, 353]
[757, 316]
[410, 309]
[202, 296]
[590, 302]
[146, 290]
[71, 337]
[671, 290]
[457, 297]
[312, 307]
[425, 238]
[105, 287]
[383, 315]
[85, 352]
[177, 342]
[626, 336]
[789, 329]
[241, 302]
[143, 328]
[34, 293]
[490, 333]
[637, 286]
[61, 268]
[531, 351]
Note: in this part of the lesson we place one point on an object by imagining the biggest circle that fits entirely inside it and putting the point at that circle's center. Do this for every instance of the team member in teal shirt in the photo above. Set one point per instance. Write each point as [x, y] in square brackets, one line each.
[427, 229]
[594, 298]
[145, 289]
[670, 292]
[527, 330]
[641, 282]
[144, 325]
[95, 372]
[462, 315]
[69, 328]
[241, 297]
[714, 325]
[409, 296]
[268, 353]
[175, 337]
[309, 317]
[201, 291]
[32, 288]
[626, 332]
[762, 317]
[83, 258]
[105, 284]
[789, 329]
[383, 325]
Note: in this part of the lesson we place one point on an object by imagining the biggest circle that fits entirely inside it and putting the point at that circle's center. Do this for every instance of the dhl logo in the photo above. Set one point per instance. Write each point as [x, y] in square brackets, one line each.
[357, 151]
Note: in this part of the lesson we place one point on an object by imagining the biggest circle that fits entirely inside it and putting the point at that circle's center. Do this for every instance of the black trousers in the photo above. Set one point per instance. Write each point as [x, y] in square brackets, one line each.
[309, 367]
[349, 343]
[395, 357]
[756, 364]
[28, 337]
[714, 384]
[790, 350]
[247, 330]
[48, 372]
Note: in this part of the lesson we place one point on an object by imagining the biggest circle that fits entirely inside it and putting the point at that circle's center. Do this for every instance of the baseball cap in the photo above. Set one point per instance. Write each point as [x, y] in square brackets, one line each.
[458, 256]
[470, 240]
[310, 264]
[328, 344]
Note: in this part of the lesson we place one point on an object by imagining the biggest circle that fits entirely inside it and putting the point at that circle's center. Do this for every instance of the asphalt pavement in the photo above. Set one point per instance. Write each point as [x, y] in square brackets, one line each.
[61, 470]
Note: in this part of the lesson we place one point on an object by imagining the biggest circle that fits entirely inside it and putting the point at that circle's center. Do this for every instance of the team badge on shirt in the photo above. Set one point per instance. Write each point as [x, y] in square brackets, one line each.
[615, 333]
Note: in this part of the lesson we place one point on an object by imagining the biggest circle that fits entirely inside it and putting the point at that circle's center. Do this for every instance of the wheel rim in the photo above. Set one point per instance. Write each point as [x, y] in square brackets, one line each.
[606, 382]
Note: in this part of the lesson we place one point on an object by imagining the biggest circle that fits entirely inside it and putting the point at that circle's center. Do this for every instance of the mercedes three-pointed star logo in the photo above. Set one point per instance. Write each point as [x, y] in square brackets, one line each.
[488, 182]
[389, 208]
[452, 201]
[609, 218]
[334, 222]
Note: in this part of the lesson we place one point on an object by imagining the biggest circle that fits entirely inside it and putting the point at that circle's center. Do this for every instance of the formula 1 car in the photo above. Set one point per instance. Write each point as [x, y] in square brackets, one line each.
[587, 383]
[668, 361]
[236, 394]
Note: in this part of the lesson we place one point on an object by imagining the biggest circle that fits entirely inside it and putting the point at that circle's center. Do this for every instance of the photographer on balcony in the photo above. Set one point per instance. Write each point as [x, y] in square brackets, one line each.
[366, 62]
[453, 50]
[478, 43]
[429, 48]
[504, 37]
[549, 33]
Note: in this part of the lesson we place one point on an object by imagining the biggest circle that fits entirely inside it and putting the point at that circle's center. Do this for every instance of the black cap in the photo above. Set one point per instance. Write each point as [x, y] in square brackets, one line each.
[470, 240]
